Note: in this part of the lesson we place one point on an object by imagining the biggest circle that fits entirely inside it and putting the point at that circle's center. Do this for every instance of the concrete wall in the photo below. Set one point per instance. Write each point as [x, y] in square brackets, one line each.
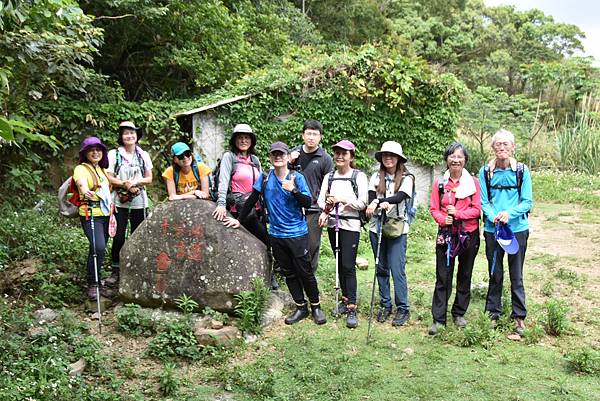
[209, 137]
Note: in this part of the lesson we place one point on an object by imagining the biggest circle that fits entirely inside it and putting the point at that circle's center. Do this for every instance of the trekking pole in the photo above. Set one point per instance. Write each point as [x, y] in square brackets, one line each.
[379, 235]
[96, 272]
[337, 261]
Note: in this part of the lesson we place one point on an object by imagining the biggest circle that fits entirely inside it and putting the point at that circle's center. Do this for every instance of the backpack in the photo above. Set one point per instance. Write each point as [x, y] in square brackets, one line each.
[119, 162]
[214, 177]
[68, 195]
[194, 169]
[441, 190]
[519, 172]
[362, 215]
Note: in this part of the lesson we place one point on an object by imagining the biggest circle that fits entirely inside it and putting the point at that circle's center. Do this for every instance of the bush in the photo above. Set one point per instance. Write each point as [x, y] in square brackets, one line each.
[585, 360]
[168, 383]
[132, 321]
[175, 339]
[555, 321]
[251, 306]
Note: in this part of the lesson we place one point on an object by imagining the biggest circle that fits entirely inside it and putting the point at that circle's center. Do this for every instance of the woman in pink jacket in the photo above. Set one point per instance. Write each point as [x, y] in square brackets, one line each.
[455, 205]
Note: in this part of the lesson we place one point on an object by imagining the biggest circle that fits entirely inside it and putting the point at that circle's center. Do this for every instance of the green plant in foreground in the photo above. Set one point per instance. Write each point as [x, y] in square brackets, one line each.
[251, 306]
[556, 321]
[584, 360]
[131, 320]
[168, 383]
[220, 316]
[175, 339]
[186, 304]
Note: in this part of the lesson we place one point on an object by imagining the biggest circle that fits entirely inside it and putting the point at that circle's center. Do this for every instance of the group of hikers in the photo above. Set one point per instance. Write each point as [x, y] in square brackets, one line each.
[306, 190]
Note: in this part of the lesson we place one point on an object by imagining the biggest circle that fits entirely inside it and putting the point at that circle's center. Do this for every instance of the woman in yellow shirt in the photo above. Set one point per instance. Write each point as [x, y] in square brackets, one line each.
[182, 179]
[94, 211]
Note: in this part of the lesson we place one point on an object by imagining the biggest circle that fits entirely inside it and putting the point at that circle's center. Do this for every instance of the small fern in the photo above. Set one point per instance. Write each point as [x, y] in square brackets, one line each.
[251, 306]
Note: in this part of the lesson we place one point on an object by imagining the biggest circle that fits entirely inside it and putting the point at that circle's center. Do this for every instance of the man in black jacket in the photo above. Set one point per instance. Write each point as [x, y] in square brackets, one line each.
[314, 163]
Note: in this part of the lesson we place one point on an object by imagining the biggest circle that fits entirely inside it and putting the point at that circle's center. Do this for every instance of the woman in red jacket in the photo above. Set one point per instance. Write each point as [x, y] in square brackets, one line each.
[455, 205]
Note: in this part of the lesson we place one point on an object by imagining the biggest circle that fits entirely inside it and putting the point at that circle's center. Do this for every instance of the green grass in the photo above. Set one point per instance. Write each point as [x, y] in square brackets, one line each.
[566, 187]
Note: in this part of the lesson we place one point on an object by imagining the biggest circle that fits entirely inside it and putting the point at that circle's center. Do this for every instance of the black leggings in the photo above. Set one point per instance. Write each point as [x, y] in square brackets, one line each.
[124, 216]
[348, 245]
[100, 236]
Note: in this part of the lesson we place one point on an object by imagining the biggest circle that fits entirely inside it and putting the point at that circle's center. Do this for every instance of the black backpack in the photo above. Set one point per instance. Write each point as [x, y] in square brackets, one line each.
[519, 172]
[362, 215]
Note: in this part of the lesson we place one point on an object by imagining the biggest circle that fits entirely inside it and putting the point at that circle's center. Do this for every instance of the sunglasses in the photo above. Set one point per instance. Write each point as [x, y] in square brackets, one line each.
[187, 153]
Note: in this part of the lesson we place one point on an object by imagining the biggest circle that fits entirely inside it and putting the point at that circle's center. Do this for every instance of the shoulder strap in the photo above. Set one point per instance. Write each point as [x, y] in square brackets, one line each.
[441, 189]
[519, 172]
[330, 180]
[118, 161]
[196, 172]
[94, 175]
[353, 182]
[488, 182]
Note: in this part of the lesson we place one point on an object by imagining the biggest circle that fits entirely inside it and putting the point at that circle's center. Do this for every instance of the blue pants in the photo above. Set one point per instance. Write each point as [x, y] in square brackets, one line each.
[100, 236]
[392, 258]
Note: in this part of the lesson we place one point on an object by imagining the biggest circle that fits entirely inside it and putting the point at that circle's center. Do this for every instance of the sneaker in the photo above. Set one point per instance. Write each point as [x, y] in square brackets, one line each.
[460, 321]
[92, 292]
[519, 326]
[383, 314]
[352, 319]
[300, 313]
[318, 315]
[340, 309]
[434, 328]
[401, 317]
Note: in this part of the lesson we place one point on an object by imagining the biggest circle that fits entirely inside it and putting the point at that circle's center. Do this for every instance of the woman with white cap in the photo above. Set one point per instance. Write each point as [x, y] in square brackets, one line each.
[455, 204]
[238, 171]
[389, 190]
[343, 197]
[186, 179]
[129, 171]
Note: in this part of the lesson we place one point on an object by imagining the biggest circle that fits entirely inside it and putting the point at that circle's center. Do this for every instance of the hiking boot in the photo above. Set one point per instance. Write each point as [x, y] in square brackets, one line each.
[112, 281]
[318, 315]
[351, 319]
[434, 328]
[107, 292]
[300, 313]
[92, 293]
[274, 283]
[340, 309]
[383, 314]
[460, 321]
[519, 326]
[401, 317]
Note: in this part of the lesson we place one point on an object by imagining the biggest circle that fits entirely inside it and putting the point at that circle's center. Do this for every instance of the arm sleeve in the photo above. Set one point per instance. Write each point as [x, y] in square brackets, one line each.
[363, 188]
[372, 196]
[323, 193]
[398, 197]
[302, 195]
[474, 209]
[526, 200]
[486, 204]
[224, 178]
[435, 208]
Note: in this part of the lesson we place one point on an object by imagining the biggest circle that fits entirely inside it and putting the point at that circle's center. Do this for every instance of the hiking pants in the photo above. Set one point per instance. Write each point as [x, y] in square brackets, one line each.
[348, 247]
[443, 281]
[392, 258]
[124, 216]
[493, 303]
[101, 236]
[292, 256]
[314, 238]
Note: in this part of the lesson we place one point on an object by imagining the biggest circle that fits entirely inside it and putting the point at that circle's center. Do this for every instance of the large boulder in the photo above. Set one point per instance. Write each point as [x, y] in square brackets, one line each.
[180, 249]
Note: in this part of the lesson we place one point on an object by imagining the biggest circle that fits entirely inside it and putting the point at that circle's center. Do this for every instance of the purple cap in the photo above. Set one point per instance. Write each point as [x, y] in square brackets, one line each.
[345, 144]
[506, 238]
[279, 147]
[90, 142]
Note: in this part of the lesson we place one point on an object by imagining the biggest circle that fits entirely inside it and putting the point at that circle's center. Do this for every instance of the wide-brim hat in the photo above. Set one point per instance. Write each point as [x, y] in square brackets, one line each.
[129, 125]
[242, 129]
[90, 142]
[506, 238]
[391, 147]
[345, 144]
